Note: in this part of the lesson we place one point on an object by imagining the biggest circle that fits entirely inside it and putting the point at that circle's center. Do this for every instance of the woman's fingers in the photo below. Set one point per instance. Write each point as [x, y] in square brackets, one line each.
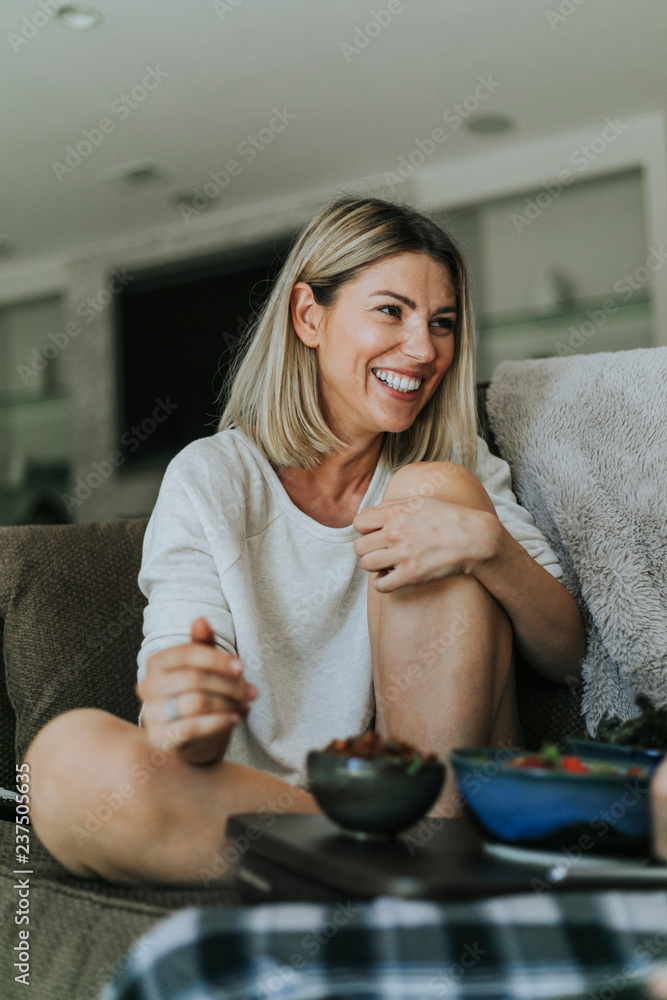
[182, 732]
[201, 631]
[381, 559]
[170, 682]
[189, 703]
[196, 655]
[204, 687]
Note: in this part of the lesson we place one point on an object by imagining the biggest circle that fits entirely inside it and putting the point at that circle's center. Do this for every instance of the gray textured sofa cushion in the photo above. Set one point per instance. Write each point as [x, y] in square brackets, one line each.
[73, 614]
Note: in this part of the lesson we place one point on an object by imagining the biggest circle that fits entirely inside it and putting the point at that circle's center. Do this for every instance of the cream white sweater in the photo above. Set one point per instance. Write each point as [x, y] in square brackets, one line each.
[284, 592]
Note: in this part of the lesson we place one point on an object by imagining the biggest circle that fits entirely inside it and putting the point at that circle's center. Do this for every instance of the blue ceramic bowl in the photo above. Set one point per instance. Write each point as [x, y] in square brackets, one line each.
[623, 756]
[536, 807]
[376, 797]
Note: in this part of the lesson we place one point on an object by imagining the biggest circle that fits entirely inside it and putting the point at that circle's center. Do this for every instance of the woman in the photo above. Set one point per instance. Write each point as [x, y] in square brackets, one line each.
[345, 544]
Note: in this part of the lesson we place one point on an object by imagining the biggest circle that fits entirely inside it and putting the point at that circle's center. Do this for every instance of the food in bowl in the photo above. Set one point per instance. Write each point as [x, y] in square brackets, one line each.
[550, 759]
[613, 753]
[548, 800]
[371, 746]
[648, 730]
[371, 786]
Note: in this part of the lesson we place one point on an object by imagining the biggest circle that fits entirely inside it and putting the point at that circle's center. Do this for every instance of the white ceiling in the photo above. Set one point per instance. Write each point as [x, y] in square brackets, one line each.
[228, 68]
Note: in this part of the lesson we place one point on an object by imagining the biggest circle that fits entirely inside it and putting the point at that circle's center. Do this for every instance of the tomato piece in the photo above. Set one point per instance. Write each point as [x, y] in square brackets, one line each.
[532, 761]
[574, 765]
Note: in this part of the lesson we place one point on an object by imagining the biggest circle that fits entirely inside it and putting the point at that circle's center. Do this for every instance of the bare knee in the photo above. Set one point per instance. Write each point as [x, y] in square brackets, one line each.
[80, 764]
[659, 810]
[444, 480]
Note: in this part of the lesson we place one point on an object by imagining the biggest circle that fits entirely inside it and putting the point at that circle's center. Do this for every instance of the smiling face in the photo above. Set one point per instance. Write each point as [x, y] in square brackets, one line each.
[384, 345]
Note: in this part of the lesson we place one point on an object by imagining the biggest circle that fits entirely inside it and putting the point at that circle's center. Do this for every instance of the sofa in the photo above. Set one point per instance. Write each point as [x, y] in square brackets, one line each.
[71, 626]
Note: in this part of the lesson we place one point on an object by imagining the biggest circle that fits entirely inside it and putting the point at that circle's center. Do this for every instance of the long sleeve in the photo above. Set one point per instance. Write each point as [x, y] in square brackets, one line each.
[178, 576]
[494, 474]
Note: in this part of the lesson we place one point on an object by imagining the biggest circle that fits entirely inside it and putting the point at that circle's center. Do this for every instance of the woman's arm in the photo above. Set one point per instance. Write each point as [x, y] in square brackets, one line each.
[425, 538]
[548, 627]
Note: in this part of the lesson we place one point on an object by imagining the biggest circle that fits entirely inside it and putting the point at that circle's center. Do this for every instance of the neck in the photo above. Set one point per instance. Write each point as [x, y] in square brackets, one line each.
[339, 474]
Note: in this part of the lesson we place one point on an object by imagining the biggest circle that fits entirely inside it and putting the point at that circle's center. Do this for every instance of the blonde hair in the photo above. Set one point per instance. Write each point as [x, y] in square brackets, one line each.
[272, 386]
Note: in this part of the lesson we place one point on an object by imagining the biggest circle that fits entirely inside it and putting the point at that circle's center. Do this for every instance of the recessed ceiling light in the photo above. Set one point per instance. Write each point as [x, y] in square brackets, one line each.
[79, 18]
[194, 199]
[128, 177]
[489, 124]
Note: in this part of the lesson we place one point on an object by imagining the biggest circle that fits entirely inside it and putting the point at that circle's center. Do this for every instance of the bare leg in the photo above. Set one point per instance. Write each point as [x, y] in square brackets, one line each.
[106, 803]
[442, 650]
[659, 813]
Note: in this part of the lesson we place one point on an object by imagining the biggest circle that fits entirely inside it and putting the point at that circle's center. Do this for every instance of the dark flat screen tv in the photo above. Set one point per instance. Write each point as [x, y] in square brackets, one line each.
[177, 328]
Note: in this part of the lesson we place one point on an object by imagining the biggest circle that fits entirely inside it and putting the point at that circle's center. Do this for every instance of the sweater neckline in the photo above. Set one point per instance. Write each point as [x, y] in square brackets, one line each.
[295, 514]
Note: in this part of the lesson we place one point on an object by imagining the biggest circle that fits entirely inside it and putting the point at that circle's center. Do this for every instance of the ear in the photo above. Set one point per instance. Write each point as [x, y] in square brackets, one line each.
[306, 314]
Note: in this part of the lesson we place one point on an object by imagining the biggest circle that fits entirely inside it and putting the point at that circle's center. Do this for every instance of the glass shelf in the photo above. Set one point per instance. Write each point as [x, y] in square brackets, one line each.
[20, 397]
[635, 308]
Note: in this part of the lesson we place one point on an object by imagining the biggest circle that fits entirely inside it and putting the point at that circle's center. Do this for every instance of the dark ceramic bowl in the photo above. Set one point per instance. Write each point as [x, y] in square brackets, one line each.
[540, 808]
[372, 797]
[623, 756]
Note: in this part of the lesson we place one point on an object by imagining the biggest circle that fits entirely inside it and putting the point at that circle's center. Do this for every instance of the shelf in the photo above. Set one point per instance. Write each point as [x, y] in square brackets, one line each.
[638, 307]
[13, 400]
[564, 334]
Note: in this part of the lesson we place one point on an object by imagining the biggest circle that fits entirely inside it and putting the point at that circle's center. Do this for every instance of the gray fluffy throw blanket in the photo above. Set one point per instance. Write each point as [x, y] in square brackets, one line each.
[586, 440]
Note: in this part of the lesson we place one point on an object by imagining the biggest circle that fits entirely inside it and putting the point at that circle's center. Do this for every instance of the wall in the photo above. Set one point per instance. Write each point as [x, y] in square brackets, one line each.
[88, 367]
[36, 429]
[86, 364]
[592, 234]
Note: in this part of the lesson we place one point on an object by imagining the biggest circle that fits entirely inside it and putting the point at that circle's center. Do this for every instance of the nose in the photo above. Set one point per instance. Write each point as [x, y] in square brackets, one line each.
[418, 343]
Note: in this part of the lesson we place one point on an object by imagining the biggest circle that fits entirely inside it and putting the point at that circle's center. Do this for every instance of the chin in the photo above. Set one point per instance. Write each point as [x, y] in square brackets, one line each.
[396, 426]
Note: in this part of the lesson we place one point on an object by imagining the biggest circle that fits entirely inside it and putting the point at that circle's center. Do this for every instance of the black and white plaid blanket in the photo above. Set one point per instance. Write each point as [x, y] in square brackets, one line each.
[601, 946]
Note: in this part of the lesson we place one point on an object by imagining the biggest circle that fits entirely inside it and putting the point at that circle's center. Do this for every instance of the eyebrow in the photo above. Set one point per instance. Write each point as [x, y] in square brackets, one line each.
[413, 305]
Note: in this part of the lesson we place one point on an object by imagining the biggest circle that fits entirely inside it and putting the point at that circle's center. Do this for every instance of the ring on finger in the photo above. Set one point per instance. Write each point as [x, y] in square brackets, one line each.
[171, 708]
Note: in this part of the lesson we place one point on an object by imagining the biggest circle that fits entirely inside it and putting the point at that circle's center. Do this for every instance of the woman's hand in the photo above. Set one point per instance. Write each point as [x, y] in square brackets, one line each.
[420, 538]
[207, 689]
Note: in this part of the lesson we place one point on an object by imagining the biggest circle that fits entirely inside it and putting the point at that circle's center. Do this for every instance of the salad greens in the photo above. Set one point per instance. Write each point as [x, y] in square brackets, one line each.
[647, 730]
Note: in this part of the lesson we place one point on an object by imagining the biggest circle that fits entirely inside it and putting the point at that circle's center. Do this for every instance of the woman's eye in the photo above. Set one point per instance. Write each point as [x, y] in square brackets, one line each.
[444, 323]
[394, 309]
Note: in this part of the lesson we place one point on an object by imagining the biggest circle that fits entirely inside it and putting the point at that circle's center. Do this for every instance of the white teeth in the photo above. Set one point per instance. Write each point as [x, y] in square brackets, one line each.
[402, 383]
